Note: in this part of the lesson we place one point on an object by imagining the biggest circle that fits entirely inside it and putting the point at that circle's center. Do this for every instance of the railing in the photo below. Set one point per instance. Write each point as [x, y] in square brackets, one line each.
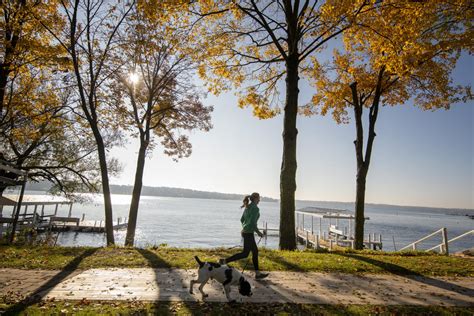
[443, 246]
[440, 246]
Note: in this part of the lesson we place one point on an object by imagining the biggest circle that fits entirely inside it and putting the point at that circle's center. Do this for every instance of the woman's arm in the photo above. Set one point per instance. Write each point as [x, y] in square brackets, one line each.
[254, 216]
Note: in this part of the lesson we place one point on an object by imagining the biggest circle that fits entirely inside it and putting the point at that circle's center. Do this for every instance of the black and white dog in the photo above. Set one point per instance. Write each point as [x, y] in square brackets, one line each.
[224, 274]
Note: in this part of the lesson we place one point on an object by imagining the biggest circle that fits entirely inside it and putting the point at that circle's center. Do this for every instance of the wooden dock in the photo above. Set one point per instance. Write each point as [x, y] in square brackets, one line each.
[312, 240]
[60, 224]
[324, 229]
[33, 213]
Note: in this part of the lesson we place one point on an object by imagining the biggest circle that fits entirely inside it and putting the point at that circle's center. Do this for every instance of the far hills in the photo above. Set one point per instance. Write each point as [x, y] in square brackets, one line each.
[184, 193]
[159, 191]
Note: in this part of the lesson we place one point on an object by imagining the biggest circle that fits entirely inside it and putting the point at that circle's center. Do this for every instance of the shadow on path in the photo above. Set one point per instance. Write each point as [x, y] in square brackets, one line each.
[175, 286]
[279, 292]
[161, 300]
[159, 263]
[412, 275]
[153, 259]
[40, 292]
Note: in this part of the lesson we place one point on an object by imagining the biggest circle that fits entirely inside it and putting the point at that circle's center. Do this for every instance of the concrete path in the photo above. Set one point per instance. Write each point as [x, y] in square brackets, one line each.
[173, 285]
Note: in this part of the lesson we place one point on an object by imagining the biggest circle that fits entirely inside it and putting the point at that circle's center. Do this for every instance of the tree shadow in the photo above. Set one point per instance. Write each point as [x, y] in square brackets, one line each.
[175, 283]
[43, 290]
[281, 261]
[180, 280]
[279, 293]
[412, 275]
[168, 278]
[153, 259]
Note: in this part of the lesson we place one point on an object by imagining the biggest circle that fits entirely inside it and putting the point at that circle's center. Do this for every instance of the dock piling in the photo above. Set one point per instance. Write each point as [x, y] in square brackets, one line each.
[445, 241]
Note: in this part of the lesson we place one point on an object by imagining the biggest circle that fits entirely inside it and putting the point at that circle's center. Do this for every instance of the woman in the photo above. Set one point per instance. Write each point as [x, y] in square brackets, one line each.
[249, 226]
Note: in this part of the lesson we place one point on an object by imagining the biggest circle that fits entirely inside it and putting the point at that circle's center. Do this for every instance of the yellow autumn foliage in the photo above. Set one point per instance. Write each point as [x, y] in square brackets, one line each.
[31, 62]
[417, 43]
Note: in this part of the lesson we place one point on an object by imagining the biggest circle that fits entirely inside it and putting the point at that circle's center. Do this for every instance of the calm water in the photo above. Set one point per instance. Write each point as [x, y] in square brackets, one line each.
[205, 223]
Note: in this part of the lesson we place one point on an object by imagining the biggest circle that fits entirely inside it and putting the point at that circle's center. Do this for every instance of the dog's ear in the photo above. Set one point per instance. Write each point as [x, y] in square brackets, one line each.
[242, 279]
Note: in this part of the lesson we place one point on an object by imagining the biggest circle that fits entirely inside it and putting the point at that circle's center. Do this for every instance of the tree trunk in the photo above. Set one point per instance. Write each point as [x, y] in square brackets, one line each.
[3, 84]
[137, 189]
[288, 164]
[109, 230]
[361, 173]
[359, 209]
[5, 67]
[363, 163]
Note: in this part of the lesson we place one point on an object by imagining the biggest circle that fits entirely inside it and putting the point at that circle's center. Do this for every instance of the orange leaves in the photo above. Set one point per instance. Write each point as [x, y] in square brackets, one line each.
[401, 34]
[230, 57]
[163, 103]
[261, 99]
[259, 102]
[237, 13]
[247, 44]
[412, 41]
[155, 10]
[332, 93]
[333, 11]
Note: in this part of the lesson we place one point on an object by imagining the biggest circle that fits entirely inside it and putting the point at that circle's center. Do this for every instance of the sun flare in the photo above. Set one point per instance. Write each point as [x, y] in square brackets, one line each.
[133, 77]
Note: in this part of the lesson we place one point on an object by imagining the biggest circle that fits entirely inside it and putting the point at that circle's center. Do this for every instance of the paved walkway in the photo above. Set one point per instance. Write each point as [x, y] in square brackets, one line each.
[173, 285]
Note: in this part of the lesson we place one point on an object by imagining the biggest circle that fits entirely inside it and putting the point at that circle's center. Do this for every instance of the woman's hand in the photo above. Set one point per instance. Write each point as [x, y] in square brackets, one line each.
[259, 233]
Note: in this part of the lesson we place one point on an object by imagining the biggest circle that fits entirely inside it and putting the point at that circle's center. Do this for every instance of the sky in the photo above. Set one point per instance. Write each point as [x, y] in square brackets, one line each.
[420, 158]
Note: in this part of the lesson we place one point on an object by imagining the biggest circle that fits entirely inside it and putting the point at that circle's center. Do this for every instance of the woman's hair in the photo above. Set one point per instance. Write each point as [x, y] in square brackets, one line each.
[250, 198]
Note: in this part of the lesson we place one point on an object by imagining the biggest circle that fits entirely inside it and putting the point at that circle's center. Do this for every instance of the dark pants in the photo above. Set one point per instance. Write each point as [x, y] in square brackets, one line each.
[249, 246]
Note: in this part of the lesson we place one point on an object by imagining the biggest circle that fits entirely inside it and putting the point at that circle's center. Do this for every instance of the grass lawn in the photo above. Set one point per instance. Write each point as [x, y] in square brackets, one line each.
[408, 263]
[205, 308]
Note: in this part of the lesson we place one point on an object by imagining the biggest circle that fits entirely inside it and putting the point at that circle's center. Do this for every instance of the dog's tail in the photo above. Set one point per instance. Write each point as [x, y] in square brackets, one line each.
[199, 261]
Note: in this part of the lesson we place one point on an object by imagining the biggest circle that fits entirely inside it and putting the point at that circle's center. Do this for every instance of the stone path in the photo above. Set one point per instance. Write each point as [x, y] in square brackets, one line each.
[173, 285]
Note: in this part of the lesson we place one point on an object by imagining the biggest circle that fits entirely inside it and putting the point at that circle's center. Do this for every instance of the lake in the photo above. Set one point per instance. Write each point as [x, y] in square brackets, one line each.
[207, 223]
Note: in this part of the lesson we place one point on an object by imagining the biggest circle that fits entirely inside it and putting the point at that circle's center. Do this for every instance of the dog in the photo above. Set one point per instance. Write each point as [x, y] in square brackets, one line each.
[224, 274]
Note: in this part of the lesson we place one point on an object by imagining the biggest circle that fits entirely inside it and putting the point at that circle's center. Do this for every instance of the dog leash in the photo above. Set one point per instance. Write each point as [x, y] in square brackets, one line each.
[248, 259]
[236, 246]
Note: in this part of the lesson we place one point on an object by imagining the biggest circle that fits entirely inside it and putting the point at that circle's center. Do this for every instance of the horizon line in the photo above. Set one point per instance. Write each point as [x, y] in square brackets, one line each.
[306, 200]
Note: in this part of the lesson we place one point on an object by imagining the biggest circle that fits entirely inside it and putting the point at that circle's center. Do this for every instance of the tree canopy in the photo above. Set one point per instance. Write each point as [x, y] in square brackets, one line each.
[412, 47]
[38, 130]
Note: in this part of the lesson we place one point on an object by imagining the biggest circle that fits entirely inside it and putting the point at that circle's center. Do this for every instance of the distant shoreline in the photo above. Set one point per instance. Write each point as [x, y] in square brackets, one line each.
[190, 193]
[161, 191]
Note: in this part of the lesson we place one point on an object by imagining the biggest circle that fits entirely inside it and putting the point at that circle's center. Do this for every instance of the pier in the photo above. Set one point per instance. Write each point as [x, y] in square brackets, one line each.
[30, 211]
[41, 214]
[326, 228]
[77, 225]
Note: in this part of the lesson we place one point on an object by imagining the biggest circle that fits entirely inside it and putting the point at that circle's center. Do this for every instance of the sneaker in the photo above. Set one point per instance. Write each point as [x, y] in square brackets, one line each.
[222, 261]
[261, 275]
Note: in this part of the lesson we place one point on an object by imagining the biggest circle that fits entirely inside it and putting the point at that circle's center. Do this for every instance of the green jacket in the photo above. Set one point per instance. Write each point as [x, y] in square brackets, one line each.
[249, 218]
